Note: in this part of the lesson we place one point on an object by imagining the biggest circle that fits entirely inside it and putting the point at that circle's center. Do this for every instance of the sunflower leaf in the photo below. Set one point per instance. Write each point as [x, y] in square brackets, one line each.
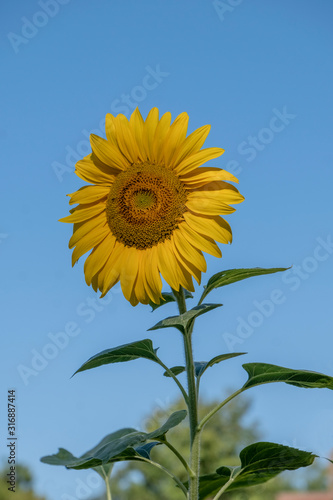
[176, 370]
[263, 461]
[63, 457]
[233, 275]
[264, 373]
[124, 444]
[168, 297]
[127, 352]
[201, 366]
[174, 420]
[181, 322]
[88, 459]
[145, 449]
[259, 463]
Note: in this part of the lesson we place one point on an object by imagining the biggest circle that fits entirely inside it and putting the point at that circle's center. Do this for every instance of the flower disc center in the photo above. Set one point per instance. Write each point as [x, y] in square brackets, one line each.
[145, 205]
[144, 199]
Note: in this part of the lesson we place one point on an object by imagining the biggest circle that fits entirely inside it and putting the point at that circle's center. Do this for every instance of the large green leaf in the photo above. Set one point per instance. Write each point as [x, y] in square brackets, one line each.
[263, 461]
[169, 297]
[109, 451]
[232, 275]
[259, 463]
[127, 352]
[181, 322]
[124, 444]
[118, 441]
[263, 373]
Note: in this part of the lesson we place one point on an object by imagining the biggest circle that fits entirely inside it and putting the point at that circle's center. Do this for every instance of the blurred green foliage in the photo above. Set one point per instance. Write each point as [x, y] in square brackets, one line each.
[23, 487]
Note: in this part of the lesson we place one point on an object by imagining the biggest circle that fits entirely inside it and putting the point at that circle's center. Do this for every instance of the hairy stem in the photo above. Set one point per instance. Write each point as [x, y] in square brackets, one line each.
[169, 473]
[192, 401]
[179, 456]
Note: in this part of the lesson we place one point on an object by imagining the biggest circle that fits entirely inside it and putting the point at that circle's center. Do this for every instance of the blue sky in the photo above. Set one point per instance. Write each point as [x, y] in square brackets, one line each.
[261, 74]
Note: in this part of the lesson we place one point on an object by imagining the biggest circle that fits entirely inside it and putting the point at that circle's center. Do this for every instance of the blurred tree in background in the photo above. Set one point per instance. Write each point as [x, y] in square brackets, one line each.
[24, 485]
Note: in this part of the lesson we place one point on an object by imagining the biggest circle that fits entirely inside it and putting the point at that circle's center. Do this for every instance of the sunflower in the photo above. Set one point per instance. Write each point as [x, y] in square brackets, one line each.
[151, 209]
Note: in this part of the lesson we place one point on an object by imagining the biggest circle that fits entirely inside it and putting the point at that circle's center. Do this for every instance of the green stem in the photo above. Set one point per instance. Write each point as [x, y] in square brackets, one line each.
[226, 486]
[192, 401]
[192, 391]
[223, 489]
[179, 456]
[160, 467]
[108, 487]
[217, 408]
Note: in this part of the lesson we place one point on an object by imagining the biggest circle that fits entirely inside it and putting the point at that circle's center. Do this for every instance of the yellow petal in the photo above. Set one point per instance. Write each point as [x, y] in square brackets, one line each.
[98, 257]
[83, 228]
[194, 271]
[125, 139]
[195, 160]
[107, 152]
[191, 253]
[143, 290]
[149, 132]
[87, 170]
[152, 271]
[204, 175]
[178, 274]
[159, 139]
[84, 212]
[140, 288]
[220, 190]
[167, 264]
[128, 271]
[89, 194]
[191, 145]
[137, 127]
[185, 277]
[110, 129]
[207, 205]
[94, 283]
[89, 241]
[199, 241]
[214, 227]
[110, 274]
[134, 300]
[175, 136]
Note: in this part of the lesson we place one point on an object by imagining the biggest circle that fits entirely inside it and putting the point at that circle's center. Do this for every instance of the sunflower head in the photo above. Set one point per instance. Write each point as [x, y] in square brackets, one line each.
[151, 209]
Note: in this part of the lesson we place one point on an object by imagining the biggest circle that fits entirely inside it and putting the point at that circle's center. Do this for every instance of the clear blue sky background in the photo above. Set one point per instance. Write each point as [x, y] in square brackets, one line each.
[235, 70]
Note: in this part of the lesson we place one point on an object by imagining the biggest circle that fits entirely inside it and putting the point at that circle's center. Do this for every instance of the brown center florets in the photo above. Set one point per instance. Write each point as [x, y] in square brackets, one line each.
[145, 205]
